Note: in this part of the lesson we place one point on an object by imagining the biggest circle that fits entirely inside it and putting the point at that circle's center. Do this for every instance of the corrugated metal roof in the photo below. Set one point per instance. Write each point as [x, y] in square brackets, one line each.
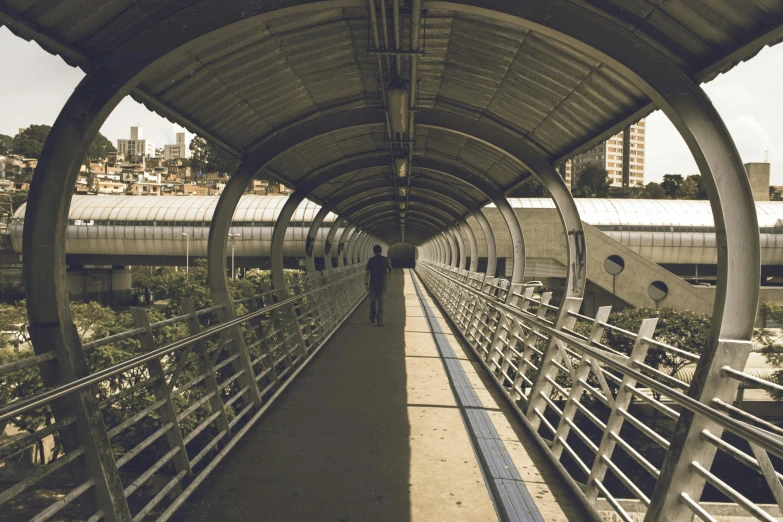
[665, 212]
[263, 73]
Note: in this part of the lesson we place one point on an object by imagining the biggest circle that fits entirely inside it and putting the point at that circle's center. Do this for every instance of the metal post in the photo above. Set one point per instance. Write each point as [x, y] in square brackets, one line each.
[312, 236]
[233, 245]
[162, 390]
[330, 249]
[455, 231]
[347, 233]
[454, 257]
[553, 353]
[187, 253]
[626, 158]
[581, 375]
[472, 244]
[489, 236]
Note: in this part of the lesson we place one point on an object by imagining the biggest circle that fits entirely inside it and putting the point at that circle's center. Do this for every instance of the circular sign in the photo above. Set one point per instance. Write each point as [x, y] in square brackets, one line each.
[658, 290]
[614, 265]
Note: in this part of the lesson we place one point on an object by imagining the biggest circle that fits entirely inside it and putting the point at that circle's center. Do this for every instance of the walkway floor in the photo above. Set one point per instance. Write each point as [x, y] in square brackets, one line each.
[372, 431]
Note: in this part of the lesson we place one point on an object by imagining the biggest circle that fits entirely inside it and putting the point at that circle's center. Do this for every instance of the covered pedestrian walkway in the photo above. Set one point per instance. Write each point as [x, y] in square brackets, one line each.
[376, 429]
[404, 118]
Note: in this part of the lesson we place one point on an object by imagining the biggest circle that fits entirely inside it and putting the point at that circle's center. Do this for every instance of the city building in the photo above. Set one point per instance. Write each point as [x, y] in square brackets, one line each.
[108, 184]
[136, 145]
[142, 188]
[177, 150]
[609, 155]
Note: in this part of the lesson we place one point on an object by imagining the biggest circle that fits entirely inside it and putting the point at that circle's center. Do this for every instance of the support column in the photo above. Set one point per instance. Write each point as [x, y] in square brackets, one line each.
[350, 256]
[436, 250]
[278, 241]
[347, 233]
[446, 249]
[368, 253]
[472, 244]
[449, 235]
[330, 249]
[312, 235]
[517, 241]
[627, 157]
[361, 245]
[367, 248]
[492, 258]
[461, 244]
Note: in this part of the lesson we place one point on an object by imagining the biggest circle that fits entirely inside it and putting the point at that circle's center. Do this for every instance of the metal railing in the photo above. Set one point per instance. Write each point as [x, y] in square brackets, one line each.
[196, 385]
[605, 416]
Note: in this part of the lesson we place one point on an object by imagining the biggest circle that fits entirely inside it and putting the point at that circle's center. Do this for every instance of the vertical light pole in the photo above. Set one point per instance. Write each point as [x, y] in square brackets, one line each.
[233, 245]
[187, 252]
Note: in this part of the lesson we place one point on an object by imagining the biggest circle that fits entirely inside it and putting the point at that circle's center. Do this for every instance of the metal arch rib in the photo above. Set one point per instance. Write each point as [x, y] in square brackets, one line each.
[423, 216]
[682, 100]
[574, 24]
[372, 203]
[345, 193]
[421, 194]
[311, 129]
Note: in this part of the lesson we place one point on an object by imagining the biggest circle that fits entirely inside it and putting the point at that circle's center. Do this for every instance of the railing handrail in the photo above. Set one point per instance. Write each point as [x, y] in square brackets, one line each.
[21, 406]
[751, 434]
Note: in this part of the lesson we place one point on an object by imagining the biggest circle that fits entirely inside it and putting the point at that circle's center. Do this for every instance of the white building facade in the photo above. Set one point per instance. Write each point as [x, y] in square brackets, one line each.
[177, 150]
[136, 145]
[609, 155]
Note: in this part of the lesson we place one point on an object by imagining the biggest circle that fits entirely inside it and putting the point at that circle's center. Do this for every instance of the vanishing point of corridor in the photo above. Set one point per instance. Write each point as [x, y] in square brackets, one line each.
[375, 430]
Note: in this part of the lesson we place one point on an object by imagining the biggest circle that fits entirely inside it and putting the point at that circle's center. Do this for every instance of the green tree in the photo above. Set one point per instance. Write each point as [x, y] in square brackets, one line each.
[770, 343]
[671, 183]
[592, 182]
[701, 192]
[689, 189]
[19, 198]
[30, 141]
[653, 191]
[206, 157]
[100, 148]
[774, 195]
[681, 329]
[6, 144]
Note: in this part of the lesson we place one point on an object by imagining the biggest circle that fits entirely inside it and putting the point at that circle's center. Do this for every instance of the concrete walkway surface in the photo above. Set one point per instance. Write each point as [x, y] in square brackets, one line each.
[372, 430]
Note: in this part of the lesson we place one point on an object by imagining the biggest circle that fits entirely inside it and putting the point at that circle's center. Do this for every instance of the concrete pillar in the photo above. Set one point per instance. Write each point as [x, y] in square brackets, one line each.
[626, 157]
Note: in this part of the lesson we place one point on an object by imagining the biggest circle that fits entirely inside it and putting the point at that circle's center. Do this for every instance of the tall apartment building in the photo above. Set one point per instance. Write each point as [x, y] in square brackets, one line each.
[609, 154]
[177, 150]
[136, 145]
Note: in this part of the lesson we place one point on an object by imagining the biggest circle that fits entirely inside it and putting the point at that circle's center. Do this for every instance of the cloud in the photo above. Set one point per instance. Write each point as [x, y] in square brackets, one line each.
[750, 136]
[748, 99]
[732, 95]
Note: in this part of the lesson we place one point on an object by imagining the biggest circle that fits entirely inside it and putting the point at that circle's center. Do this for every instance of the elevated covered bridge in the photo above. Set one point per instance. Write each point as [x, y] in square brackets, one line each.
[478, 399]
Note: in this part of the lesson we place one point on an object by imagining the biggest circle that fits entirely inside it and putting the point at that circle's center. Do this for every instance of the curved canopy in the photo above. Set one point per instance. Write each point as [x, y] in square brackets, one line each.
[236, 73]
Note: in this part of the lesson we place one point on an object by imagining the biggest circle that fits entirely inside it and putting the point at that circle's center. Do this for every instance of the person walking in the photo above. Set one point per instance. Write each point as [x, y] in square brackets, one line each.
[375, 276]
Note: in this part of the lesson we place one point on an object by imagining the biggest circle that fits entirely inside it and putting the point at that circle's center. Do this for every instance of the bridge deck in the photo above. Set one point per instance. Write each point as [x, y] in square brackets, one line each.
[377, 428]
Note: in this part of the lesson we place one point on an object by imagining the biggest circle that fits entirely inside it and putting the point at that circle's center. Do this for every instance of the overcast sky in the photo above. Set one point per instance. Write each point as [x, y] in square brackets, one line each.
[749, 98]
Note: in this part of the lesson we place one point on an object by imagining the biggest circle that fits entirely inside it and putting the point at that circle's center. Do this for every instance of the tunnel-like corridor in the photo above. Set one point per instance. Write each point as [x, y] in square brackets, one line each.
[401, 120]
[374, 430]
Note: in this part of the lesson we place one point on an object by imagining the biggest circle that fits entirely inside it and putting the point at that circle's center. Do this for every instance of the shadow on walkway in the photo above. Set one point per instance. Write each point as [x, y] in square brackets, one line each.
[335, 446]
